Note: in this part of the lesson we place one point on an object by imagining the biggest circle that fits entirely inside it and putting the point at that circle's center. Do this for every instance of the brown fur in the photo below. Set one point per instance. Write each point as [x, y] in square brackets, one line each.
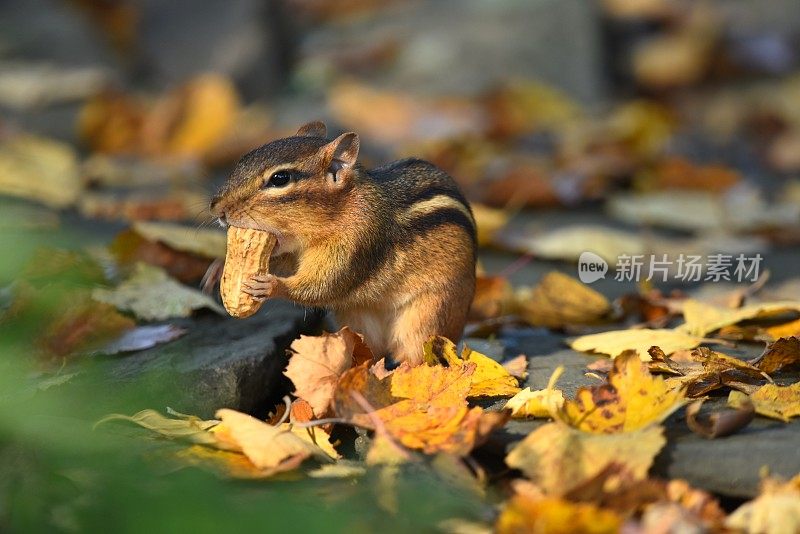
[391, 251]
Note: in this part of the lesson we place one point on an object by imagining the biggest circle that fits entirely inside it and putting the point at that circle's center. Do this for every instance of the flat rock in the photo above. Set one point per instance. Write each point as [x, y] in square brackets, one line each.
[221, 362]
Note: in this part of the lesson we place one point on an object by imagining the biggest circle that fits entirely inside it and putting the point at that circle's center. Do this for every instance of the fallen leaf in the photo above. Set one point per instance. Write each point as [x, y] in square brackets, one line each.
[770, 400]
[559, 300]
[39, 169]
[129, 248]
[490, 378]
[559, 458]
[493, 297]
[488, 222]
[630, 400]
[268, 447]
[618, 341]
[517, 366]
[204, 242]
[189, 121]
[703, 370]
[775, 510]
[540, 403]
[85, 326]
[191, 429]
[701, 319]
[785, 352]
[318, 362]
[521, 514]
[154, 203]
[30, 85]
[718, 424]
[152, 295]
[570, 242]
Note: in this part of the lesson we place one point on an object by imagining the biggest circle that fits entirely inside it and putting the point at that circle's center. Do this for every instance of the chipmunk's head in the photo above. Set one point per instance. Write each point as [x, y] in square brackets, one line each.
[292, 187]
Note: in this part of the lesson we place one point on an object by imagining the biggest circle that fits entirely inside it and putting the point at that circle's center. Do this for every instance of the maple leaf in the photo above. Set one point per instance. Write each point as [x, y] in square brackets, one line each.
[318, 362]
[559, 300]
[422, 407]
[490, 378]
[631, 399]
[703, 370]
[770, 400]
[524, 514]
[559, 458]
[776, 509]
[618, 341]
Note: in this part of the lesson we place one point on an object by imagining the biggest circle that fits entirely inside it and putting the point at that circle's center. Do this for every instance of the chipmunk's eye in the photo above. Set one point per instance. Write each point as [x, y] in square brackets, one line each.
[279, 179]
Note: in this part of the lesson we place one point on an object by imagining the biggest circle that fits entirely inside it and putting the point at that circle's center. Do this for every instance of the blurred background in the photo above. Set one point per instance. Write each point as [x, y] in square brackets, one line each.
[617, 126]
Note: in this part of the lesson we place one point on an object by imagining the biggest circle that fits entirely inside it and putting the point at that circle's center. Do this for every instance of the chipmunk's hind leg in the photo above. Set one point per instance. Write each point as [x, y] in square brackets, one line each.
[428, 315]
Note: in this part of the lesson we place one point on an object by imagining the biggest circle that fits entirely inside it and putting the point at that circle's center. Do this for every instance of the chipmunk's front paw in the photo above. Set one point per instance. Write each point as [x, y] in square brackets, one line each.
[262, 287]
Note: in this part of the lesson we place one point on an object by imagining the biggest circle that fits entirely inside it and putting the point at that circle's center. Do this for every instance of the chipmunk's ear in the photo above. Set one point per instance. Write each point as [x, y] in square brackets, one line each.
[341, 155]
[313, 129]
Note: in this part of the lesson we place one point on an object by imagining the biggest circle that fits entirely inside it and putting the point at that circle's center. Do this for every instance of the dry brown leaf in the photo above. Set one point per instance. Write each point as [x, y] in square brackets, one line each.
[785, 352]
[703, 370]
[522, 514]
[317, 364]
[718, 424]
[83, 326]
[630, 400]
[618, 341]
[559, 458]
[770, 400]
[559, 300]
[490, 378]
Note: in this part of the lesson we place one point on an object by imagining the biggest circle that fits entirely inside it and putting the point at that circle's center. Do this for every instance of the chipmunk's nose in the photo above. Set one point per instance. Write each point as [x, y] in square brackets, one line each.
[215, 208]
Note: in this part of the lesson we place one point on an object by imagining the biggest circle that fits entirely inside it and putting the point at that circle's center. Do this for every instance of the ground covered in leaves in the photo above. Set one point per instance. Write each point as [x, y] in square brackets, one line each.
[659, 400]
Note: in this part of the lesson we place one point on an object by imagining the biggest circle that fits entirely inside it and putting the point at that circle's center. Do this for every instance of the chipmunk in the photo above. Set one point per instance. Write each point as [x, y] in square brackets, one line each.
[391, 251]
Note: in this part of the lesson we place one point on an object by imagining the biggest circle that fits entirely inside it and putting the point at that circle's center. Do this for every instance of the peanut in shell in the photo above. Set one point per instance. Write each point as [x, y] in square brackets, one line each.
[247, 254]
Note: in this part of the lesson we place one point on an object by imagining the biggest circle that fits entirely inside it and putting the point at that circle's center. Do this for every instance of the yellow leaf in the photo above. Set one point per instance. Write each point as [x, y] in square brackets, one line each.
[541, 403]
[632, 399]
[702, 319]
[559, 458]
[489, 221]
[559, 300]
[490, 379]
[555, 516]
[784, 352]
[618, 341]
[39, 169]
[204, 242]
[775, 511]
[187, 428]
[268, 447]
[777, 402]
[315, 436]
